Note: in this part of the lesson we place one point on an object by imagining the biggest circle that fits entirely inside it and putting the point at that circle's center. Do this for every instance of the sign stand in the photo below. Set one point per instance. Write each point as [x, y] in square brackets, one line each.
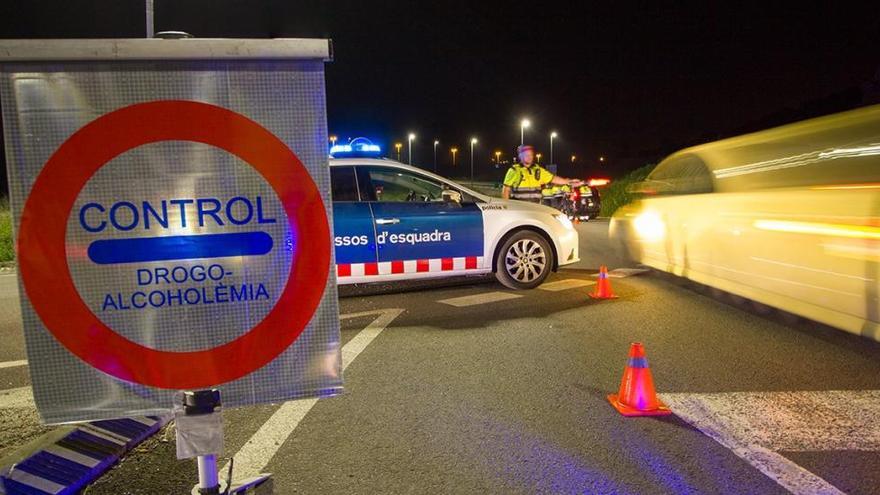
[209, 482]
[200, 435]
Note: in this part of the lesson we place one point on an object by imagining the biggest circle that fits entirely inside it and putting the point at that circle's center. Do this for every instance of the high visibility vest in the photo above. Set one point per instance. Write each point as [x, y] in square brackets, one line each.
[550, 191]
[526, 182]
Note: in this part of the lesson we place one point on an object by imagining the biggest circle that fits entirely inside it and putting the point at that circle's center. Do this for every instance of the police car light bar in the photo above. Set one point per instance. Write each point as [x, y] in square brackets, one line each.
[359, 146]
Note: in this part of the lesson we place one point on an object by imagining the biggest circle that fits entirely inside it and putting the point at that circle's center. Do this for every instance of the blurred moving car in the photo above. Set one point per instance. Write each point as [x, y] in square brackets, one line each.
[788, 217]
[396, 222]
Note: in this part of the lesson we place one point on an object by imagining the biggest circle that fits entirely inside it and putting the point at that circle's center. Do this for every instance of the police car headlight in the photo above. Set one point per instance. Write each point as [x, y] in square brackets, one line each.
[649, 226]
[563, 219]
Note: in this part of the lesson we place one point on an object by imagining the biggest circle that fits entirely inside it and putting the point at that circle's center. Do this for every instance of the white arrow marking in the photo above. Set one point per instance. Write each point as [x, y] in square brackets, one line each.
[13, 364]
[756, 425]
[264, 444]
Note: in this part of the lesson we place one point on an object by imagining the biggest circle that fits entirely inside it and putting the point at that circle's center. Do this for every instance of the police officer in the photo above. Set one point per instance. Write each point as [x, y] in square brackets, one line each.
[524, 180]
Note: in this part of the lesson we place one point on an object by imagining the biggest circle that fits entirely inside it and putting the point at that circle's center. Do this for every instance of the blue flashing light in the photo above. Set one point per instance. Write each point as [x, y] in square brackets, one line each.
[358, 147]
[340, 148]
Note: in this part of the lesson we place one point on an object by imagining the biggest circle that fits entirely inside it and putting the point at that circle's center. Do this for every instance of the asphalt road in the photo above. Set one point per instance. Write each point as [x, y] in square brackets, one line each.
[467, 387]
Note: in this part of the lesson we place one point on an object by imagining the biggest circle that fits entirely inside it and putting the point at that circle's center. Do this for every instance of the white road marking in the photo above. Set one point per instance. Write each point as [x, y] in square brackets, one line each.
[13, 364]
[756, 425]
[569, 283]
[21, 397]
[485, 298]
[256, 453]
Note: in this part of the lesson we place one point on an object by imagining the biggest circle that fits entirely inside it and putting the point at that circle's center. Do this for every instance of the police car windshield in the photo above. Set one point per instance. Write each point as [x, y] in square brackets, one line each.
[401, 185]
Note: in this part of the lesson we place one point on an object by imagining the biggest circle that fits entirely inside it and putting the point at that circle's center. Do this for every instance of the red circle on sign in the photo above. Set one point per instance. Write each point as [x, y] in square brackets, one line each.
[46, 274]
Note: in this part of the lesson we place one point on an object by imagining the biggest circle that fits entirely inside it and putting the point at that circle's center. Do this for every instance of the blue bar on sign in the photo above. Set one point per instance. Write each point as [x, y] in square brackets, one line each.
[179, 247]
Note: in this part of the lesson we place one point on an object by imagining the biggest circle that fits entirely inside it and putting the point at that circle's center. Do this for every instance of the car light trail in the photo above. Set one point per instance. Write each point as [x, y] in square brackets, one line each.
[873, 149]
[830, 229]
[846, 187]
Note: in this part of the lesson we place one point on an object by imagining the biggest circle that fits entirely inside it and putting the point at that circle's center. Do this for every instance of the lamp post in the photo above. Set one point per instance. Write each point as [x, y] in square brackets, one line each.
[573, 158]
[601, 158]
[497, 158]
[397, 146]
[538, 157]
[552, 136]
[473, 142]
[522, 130]
[409, 147]
[333, 140]
[454, 151]
[436, 142]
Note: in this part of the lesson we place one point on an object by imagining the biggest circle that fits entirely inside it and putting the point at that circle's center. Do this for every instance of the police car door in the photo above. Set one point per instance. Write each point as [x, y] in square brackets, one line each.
[354, 237]
[416, 230]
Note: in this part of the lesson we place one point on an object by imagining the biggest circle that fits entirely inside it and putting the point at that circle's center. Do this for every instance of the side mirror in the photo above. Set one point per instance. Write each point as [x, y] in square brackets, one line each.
[450, 196]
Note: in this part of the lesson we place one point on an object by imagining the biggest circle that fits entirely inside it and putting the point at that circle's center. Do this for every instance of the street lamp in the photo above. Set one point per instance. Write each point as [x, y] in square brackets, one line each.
[454, 151]
[601, 158]
[552, 136]
[538, 157]
[436, 142]
[397, 146]
[333, 140]
[409, 149]
[573, 158]
[522, 130]
[473, 142]
[497, 157]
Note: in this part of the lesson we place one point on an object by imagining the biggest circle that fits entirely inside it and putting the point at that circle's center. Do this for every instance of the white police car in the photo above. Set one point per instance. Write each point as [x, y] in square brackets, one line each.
[397, 222]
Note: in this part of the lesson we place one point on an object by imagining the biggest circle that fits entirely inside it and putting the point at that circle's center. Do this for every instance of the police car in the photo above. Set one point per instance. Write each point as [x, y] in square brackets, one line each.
[397, 222]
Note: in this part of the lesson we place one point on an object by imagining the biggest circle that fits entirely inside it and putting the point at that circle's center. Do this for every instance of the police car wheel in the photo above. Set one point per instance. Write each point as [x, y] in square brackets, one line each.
[524, 261]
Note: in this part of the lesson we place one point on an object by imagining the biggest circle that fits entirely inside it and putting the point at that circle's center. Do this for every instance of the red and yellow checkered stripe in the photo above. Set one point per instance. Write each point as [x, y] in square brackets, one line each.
[409, 266]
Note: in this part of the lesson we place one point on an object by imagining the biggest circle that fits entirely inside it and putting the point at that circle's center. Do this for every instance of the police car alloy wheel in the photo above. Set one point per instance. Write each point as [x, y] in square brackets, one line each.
[524, 261]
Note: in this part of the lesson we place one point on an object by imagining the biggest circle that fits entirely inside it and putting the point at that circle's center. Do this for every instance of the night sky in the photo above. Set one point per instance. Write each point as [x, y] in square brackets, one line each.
[632, 83]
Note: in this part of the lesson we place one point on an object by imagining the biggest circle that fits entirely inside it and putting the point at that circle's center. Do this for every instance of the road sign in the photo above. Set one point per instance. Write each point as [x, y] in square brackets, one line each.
[172, 221]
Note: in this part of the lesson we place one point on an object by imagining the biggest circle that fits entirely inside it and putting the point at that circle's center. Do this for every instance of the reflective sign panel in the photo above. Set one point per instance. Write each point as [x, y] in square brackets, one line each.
[173, 228]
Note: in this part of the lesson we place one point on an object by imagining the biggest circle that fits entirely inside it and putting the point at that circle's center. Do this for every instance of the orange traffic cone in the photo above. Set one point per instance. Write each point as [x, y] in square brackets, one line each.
[603, 286]
[637, 396]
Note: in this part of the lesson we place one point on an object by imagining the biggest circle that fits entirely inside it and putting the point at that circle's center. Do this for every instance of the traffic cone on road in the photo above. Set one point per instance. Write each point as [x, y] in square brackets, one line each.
[603, 286]
[637, 396]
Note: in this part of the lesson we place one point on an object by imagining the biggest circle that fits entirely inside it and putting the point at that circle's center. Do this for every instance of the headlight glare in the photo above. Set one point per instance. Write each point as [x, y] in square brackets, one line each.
[650, 226]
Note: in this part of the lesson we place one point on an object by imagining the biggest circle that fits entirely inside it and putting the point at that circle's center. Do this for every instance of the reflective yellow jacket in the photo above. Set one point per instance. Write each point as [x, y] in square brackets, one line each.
[526, 182]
